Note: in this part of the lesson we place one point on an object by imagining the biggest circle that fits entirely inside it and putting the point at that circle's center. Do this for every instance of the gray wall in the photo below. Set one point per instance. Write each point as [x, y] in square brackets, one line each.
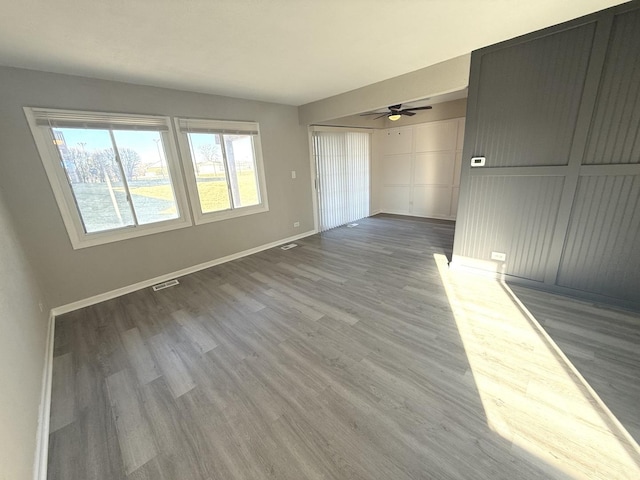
[557, 115]
[69, 275]
[23, 329]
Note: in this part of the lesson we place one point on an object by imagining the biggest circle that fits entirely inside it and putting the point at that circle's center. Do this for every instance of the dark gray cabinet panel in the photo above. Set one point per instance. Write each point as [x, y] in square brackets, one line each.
[528, 99]
[615, 130]
[602, 253]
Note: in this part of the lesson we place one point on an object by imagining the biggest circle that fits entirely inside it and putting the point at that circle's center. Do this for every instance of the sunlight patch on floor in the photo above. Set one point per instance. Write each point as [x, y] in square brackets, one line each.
[531, 393]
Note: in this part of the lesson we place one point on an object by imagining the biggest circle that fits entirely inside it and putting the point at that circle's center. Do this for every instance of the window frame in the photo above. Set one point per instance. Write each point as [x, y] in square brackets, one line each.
[50, 156]
[220, 126]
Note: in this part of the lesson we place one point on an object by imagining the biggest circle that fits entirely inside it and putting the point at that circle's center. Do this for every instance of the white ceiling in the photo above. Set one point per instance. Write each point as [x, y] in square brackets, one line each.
[286, 51]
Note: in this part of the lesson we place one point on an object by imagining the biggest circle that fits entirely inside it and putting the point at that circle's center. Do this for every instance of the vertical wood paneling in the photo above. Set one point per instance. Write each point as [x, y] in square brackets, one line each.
[513, 215]
[342, 161]
[529, 97]
[602, 253]
[615, 130]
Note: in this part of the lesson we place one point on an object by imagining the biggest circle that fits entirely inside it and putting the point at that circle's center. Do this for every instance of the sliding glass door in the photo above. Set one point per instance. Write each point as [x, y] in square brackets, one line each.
[342, 169]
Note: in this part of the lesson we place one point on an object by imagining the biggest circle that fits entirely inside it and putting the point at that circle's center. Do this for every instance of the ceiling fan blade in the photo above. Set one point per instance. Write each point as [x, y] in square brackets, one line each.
[407, 113]
[395, 108]
[383, 115]
[371, 113]
[410, 109]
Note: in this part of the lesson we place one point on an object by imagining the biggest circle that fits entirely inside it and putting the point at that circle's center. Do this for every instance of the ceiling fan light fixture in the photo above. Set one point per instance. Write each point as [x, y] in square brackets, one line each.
[396, 111]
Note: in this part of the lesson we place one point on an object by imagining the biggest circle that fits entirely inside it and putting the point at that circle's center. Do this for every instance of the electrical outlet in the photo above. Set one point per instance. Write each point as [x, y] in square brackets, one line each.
[293, 174]
[40, 306]
[499, 256]
[477, 161]
[296, 224]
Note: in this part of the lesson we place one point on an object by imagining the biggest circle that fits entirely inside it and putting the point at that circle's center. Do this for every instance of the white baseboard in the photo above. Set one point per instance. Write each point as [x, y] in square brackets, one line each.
[42, 434]
[495, 270]
[70, 307]
[485, 268]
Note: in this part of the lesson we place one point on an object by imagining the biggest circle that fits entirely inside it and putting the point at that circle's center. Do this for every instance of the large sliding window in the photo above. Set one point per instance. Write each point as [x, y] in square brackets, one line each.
[342, 167]
[118, 176]
[114, 176]
[223, 166]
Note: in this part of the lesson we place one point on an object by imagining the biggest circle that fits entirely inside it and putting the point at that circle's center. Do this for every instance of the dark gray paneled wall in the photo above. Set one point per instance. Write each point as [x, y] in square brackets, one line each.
[601, 252]
[557, 115]
[615, 129]
[523, 227]
[530, 96]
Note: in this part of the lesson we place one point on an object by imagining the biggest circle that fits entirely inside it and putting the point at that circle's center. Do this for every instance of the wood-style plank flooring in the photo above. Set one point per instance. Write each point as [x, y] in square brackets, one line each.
[357, 355]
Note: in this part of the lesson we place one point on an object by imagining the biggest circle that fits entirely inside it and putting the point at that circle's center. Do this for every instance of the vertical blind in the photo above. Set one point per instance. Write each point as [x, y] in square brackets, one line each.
[342, 165]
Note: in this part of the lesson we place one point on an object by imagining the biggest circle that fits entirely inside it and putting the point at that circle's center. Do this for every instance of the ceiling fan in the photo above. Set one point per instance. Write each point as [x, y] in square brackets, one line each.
[396, 111]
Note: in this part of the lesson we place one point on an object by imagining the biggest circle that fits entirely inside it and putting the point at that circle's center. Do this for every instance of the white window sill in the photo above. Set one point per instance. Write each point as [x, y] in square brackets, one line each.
[101, 238]
[201, 218]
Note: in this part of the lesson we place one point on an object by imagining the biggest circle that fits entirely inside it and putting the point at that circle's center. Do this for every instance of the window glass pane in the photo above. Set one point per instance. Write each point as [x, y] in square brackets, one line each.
[242, 170]
[211, 177]
[91, 168]
[145, 168]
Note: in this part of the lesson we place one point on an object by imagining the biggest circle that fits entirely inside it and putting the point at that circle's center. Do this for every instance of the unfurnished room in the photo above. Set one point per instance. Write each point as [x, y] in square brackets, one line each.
[291, 240]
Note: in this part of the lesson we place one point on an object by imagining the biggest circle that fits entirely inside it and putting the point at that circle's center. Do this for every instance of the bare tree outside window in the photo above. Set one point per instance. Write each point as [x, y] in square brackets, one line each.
[212, 155]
